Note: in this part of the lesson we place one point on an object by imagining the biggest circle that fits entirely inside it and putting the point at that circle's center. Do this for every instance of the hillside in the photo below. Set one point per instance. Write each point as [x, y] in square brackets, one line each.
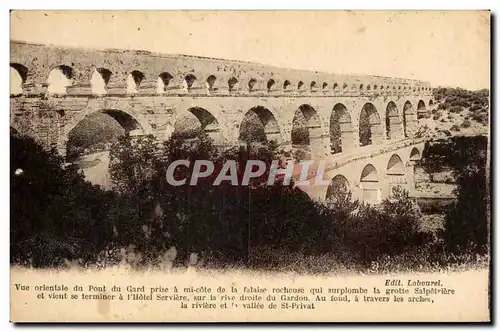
[457, 112]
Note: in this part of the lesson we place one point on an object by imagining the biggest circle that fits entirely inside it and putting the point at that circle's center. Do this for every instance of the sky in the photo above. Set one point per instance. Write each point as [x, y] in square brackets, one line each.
[444, 48]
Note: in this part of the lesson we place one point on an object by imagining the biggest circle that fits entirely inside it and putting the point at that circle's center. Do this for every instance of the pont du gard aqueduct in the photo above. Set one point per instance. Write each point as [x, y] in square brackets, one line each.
[146, 93]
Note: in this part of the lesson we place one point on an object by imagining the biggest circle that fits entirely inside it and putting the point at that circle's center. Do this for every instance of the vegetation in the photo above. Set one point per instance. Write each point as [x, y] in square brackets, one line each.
[457, 100]
[58, 218]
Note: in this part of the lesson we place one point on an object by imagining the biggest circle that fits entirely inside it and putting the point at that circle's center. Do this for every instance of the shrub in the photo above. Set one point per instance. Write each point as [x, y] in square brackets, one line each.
[466, 124]
[456, 109]
[475, 107]
[389, 229]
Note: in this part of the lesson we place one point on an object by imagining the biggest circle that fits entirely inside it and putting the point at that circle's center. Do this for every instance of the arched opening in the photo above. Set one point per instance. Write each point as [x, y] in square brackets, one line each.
[421, 110]
[306, 132]
[134, 80]
[259, 126]
[325, 85]
[99, 80]
[270, 84]
[336, 86]
[300, 85]
[361, 86]
[59, 79]
[189, 80]
[392, 121]
[368, 87]
[313, 86]
[90, 141]
[251, 84]
[431, 103]
[395, 166]
[375, 87]
[414, 154]
[369, 184]
[338, 187]
[18, 76]
[231, 83]
[409, 119]
[210, 82]
[370, 129]
[344, 87]
[341, 131]
[163, 82]
[286, 85]
[195, 120]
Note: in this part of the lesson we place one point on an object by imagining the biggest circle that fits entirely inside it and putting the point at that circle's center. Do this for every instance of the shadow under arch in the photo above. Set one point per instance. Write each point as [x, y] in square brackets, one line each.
[341, 129]
[307, 132]
[369, 183]
[392, 121]
[188, 124]
[370, 128]
[259, 124]
[338, 186]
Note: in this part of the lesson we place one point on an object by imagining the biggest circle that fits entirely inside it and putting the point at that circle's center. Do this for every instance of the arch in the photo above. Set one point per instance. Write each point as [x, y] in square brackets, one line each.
[324, 86]
[231, 83]
[368, 87]
[392, 121]
[336, 86]
[369, 184]
[344, 87]
[300, 85]
[189, 80]
[210, 82]
[189, 123]
[286, 84]
[431, 103]
[127, 120]
[370, 129]
[270, 84]
[96, 132]
[130, 120]
[306, 130]
[414, 154]
[341, 130]
[337, 187]
[313, 85]
[251, 84]
[163, 82]
[134, 80]
[381, 87]
[421, 109]
[18, 76]
[259, 125]
[408, 115]
[395, 166]
[369, 174]
[361, 86]
[59, 79]
[99, 80]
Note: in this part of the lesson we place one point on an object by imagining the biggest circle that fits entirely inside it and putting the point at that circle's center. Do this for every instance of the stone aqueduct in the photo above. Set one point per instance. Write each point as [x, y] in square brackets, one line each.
[147, 93]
